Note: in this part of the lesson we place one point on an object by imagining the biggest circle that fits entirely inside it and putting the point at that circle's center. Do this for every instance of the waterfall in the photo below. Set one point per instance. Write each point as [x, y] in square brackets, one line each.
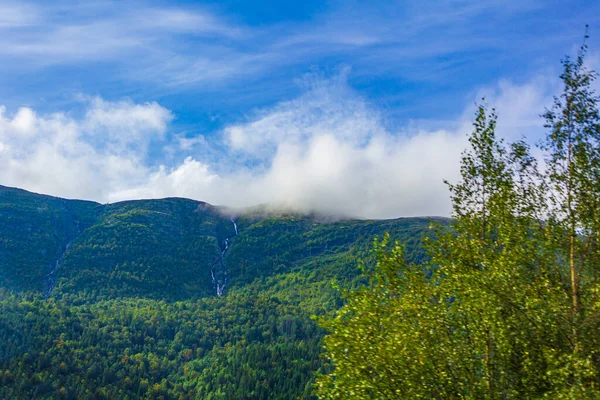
[50, 280]
[219, 266]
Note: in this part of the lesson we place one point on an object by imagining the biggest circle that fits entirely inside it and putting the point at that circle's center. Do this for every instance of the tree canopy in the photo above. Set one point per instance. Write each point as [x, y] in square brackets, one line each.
[508, 305]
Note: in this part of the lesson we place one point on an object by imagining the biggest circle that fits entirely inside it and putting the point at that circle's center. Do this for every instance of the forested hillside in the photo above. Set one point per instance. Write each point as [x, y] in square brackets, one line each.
[171, 298]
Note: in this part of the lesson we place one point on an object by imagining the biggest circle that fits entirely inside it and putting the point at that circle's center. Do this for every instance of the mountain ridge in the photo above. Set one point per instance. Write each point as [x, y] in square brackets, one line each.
[263, 209]
[172, 298]
[135, 228]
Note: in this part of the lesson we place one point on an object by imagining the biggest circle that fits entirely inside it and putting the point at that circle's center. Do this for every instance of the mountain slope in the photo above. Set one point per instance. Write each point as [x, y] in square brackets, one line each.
[159, 249]
[34, 233]
[134, 312]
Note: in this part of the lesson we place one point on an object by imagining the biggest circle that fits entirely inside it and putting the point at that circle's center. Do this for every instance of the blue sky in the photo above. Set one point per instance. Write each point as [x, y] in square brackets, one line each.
[210, 99]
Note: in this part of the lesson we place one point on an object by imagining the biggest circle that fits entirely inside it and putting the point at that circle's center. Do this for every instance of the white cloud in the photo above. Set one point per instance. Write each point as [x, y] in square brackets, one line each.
[327, 105]
[54, 154]
[126, 123]
[520, 105]
[104, 31]
[24, 121]
[183, 45]
[190, 143]
[177, 20]
[328, 151]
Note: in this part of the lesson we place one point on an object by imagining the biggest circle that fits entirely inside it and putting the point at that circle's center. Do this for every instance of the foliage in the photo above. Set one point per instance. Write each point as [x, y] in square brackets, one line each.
[508, 305]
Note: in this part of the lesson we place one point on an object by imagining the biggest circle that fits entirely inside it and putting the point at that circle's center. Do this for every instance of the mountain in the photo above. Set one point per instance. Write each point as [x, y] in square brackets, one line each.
[34, 233]
[171, 298]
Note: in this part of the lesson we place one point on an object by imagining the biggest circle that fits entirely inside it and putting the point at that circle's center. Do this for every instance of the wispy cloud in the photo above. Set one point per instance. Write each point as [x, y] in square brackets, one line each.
[328, 150]
[378, 146]
[184, 45]
[106, 31]
[17, 15]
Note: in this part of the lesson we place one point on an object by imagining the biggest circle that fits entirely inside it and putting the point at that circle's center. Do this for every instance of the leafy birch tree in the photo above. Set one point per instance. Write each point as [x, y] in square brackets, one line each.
[572, 180]
[508, 305]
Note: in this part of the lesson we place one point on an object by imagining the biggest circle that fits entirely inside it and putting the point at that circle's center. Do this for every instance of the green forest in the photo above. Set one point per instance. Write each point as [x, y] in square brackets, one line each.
[117, 301]
[179, 299]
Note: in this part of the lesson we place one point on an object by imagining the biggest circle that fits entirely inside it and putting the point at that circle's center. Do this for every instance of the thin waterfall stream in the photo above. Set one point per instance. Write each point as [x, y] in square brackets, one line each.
[50, 280]
[218, 272]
